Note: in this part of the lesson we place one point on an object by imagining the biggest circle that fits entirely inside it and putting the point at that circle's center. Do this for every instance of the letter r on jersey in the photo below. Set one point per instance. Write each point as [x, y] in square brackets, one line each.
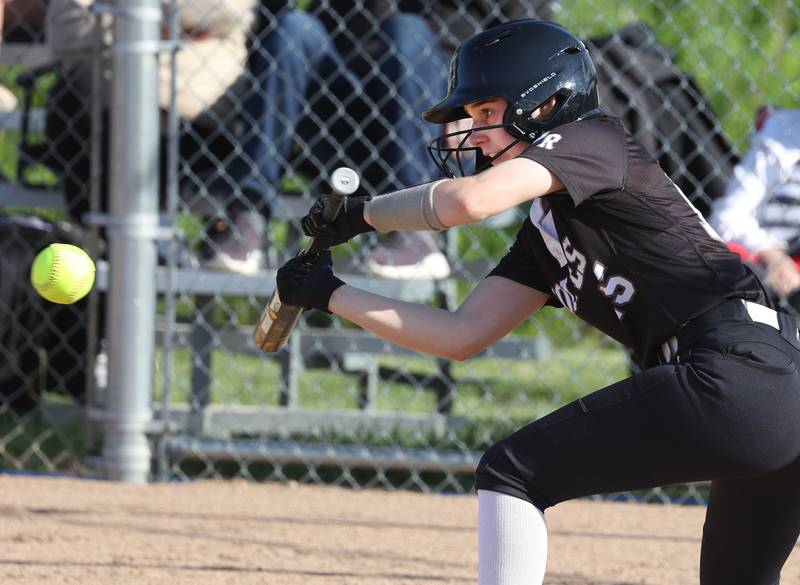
[548, 140]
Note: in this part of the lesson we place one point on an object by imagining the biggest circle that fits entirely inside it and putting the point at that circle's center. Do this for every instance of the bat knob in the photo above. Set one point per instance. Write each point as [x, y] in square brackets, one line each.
[344, 181]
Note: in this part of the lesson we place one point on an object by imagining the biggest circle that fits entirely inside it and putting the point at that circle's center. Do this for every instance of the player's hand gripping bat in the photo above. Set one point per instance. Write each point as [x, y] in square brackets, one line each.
[278, 320]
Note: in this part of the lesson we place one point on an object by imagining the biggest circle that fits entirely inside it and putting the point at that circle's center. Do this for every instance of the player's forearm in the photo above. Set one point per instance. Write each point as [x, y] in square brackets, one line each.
[421, 328]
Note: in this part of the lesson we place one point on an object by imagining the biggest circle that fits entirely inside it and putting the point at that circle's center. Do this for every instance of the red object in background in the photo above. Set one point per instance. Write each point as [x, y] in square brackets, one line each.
[762, 114]
[748, 256]
[742, 251]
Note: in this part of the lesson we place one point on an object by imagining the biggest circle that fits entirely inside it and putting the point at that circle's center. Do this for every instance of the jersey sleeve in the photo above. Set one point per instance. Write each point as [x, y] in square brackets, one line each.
[588, 156]
[520, 263]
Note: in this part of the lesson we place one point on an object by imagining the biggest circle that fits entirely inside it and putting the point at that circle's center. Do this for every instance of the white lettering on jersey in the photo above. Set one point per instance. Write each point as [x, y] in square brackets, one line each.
[567, 298]
[548, 140]
[577, 263]
[618, 289]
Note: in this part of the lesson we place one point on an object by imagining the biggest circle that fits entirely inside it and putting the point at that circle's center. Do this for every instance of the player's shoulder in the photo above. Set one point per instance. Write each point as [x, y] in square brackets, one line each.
[599, 120]
[592, 132]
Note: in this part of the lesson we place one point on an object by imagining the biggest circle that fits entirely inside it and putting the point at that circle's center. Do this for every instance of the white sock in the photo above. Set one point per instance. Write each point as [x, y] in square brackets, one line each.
[512, 541]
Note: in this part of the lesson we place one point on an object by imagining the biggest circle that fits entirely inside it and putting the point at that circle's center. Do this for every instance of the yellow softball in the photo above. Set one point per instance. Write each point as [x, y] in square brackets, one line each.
[62, 273]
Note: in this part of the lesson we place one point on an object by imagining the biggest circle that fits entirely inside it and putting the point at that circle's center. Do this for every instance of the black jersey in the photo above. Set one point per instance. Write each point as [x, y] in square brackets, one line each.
[621, 246]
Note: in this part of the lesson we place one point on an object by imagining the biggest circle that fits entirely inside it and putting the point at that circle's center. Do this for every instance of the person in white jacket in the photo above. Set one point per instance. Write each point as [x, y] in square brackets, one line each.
[759, 215]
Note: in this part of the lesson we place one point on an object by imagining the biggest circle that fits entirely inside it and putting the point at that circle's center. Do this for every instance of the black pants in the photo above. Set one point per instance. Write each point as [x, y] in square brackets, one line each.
[725, 409]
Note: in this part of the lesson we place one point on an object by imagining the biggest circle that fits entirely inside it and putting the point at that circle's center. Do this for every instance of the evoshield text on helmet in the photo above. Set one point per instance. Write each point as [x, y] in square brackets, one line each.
[526, 62]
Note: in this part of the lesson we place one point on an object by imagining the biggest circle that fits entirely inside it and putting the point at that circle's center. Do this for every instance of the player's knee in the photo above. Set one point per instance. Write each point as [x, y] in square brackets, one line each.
[495, 468]
[500, 471]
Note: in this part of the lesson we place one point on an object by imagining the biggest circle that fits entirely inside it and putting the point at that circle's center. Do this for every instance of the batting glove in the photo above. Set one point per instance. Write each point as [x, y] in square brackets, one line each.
[308, 283]
[348, 223]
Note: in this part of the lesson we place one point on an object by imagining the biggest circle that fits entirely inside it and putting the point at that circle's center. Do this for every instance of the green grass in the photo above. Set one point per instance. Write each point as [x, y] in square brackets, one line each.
[482, 385]
[742, 54]
[498, 395]
[493, 397]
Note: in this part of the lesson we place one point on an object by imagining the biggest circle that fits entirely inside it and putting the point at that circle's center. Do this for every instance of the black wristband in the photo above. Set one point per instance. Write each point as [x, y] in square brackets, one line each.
[328, 288]
[355, 215]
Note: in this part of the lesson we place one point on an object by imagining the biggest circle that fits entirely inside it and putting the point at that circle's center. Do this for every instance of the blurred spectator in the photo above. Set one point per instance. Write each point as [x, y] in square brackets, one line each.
[243, 84]
[759, 216]
[210, 70]
[400, 52]
[291, 109]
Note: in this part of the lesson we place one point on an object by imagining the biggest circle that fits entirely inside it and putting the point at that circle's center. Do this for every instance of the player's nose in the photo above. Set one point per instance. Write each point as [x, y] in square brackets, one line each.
[477, 137]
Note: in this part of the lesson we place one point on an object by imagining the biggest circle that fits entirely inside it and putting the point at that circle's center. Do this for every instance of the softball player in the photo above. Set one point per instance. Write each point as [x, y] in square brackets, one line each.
[613, 240]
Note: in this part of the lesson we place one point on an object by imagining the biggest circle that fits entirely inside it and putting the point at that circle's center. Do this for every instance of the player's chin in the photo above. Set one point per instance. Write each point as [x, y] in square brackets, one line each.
[496, 160]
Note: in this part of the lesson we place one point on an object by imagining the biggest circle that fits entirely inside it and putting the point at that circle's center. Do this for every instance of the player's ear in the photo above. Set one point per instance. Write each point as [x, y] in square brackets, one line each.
[545, 109]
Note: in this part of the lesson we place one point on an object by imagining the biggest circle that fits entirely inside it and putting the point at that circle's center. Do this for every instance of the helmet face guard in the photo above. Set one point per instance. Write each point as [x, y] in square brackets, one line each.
[455, 158]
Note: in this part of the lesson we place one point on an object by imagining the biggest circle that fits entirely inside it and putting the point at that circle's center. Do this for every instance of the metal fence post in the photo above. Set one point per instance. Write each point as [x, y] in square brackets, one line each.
[132, 229]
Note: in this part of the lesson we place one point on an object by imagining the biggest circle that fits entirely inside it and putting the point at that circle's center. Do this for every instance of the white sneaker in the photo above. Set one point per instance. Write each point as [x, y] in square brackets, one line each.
[8, 101]
[236, 247]
[252, 264]
[409, 255]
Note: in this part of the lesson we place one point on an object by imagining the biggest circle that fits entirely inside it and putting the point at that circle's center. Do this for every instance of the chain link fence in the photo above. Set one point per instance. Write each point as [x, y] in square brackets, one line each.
[260, 102]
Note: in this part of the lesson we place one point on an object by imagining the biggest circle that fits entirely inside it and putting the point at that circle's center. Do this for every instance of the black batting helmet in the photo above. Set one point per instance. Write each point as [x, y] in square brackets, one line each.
[526, 62]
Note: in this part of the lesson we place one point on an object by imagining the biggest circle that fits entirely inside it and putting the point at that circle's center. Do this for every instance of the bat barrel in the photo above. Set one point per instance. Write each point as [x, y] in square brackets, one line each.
[275, 325]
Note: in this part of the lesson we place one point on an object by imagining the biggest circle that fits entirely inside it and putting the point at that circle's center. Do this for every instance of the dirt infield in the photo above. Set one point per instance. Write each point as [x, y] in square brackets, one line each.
[99, 533]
